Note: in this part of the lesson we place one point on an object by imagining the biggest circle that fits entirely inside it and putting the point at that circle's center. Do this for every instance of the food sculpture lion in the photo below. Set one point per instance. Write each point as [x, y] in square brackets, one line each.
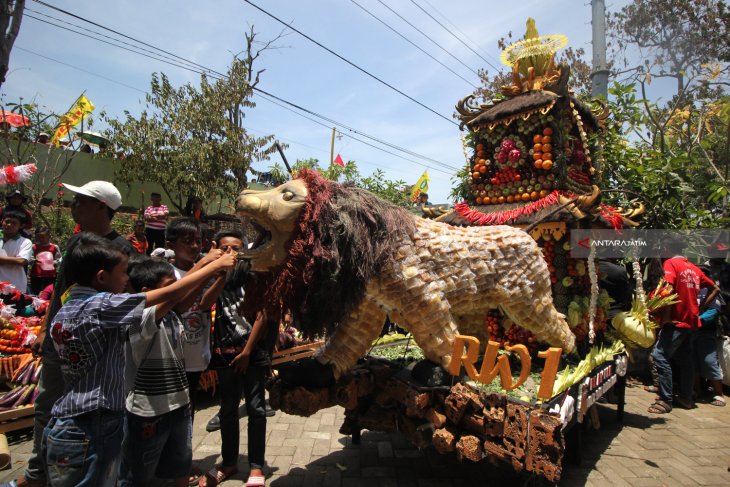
[342, 259]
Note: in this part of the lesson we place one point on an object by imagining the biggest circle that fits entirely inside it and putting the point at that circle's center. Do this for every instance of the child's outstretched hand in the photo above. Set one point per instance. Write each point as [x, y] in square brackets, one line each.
[225, 261]
[213, 254]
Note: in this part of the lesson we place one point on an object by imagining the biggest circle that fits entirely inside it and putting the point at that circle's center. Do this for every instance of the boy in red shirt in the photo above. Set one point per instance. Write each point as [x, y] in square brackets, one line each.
[678, 323]
[46, 257]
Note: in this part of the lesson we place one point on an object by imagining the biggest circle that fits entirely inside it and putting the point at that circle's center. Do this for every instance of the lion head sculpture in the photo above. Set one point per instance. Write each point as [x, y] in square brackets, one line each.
[311, 230]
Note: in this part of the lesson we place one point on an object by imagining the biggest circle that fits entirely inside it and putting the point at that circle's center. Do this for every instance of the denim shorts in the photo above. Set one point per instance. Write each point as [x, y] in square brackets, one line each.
[157, 447]
[84, 450]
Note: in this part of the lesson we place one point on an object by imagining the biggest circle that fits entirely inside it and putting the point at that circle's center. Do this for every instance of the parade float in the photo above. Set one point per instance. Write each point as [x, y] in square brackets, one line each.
[512, 328]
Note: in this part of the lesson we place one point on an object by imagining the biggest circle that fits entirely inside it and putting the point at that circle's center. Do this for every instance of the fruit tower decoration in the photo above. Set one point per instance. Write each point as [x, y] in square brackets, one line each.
[533, 163]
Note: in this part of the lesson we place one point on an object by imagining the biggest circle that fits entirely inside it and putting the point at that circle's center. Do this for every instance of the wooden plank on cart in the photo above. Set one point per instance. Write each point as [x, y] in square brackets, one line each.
[295, 353]
[17, 419]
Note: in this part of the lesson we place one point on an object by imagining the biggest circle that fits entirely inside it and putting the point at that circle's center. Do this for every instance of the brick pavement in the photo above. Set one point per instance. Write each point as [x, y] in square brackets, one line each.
[683, 448]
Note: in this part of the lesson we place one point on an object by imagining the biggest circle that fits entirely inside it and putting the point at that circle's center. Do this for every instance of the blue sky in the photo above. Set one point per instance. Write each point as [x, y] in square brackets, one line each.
[209, 33]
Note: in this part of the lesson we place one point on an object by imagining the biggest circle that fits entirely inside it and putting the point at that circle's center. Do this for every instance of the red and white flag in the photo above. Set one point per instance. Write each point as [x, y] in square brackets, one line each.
[338, 160]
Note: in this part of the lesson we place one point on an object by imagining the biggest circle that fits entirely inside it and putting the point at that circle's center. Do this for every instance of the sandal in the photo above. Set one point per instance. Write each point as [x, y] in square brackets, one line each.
[718, 401]
[216, 475]
[256, 481]
[195, 475]
[660, 407]
[653, 389]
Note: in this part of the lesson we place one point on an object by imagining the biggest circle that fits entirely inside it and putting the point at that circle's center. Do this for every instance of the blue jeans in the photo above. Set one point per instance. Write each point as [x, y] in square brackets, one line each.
[675, 343]
[156, 447]
[231, 384]
[50, 388]
[84, 451]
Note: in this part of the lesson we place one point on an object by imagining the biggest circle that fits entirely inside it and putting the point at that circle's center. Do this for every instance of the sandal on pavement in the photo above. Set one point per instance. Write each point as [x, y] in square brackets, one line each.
[660, 407]
[256, 481]
[195, 475]
[216, 475]
[718, 401]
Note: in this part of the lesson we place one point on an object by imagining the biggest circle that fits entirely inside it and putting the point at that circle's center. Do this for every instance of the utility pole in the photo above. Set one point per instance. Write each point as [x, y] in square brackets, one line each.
[599, 76]
[332, 146]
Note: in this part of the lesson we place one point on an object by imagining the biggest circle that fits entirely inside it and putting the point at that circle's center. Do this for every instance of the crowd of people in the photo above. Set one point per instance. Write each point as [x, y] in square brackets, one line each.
[126, 338]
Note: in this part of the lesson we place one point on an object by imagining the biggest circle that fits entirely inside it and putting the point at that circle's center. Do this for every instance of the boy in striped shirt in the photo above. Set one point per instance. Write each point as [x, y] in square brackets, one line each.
[82, 442]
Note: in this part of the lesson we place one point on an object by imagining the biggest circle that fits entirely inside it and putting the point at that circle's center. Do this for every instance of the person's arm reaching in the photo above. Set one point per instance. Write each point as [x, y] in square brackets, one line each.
[167, 296]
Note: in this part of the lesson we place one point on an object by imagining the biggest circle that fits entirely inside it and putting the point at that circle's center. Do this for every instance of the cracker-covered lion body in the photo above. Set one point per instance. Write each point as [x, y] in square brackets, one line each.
[352, 259]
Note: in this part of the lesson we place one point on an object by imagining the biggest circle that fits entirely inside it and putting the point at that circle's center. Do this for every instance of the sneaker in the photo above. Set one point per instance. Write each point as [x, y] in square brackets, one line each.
[214, 424]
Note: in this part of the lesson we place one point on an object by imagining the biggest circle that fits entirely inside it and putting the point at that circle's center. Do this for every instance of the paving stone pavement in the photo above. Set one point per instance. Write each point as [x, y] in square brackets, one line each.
[683, 448]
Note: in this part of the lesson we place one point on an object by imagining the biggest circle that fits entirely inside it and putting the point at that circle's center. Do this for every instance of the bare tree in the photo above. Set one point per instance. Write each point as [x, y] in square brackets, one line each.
[11, 14]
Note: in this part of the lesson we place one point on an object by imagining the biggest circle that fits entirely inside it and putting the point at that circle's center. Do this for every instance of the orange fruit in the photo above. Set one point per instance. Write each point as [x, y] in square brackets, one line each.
[482, 169]
[547, 156]
[486, 200]
[475, 175]
[537, 155]
[525, 196]
[537, 139]
[480, 154]
[546, 139]
[510, 199]
[547, 147]
[533, 195]
[500, 200]
[480, 146]
[537, 147]
[547, 131]
[483, 162]
[538, 164]
[479, 200]
[547, 165]
[543, 193]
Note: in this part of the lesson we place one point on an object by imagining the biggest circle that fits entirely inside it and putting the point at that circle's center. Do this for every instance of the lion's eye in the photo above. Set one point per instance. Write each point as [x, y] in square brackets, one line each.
[288, 195]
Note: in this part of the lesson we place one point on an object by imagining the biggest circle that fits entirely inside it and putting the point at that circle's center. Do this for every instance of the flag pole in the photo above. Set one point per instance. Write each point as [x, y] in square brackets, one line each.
[332, 146]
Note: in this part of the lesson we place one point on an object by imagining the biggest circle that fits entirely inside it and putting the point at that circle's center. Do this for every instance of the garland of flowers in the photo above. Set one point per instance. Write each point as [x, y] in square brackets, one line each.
[594, 294]
[16, 174]
[478, 218]
[640, 294]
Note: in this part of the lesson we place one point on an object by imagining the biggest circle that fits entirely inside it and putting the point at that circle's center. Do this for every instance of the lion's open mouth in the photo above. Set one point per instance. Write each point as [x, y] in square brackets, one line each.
[259, 236]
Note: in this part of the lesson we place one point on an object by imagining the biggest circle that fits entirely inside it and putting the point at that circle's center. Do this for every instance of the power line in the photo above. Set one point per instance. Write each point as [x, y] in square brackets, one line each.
[355, 138]
[271, 101]
[116, 45]
[216, 74]
[443, 16]
[79, 69]
[413, 43]
[173, 58]
[427, 37]
[362, 70]
[380, 141]
[70, 14]
[454, 35]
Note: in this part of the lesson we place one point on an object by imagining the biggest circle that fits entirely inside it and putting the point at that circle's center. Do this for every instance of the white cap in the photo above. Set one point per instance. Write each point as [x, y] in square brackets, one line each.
[103, 191]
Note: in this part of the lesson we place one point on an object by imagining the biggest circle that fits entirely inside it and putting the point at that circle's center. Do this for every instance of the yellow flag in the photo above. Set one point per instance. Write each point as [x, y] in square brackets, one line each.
[73, 117]
[420, 187]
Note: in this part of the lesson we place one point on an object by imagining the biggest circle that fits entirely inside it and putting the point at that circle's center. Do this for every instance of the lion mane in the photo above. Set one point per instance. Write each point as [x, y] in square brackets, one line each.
[344, 236]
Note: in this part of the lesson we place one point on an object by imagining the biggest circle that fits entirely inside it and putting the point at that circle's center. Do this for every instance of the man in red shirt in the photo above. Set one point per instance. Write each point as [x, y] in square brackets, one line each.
[678, 322]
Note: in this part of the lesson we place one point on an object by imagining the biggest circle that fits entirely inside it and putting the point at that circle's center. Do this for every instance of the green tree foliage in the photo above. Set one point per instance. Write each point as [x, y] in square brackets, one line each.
[376, 183]
[17, 147]
[674, 38]
[191, 140]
